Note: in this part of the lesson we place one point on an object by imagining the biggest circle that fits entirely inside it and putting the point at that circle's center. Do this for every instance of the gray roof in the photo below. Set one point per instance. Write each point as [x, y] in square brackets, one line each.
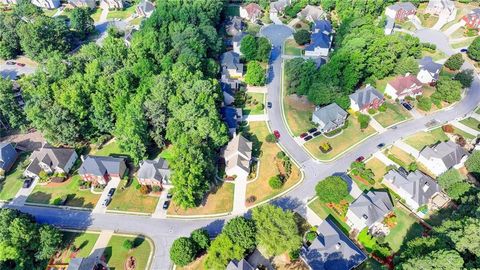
[87, 263]
[403, 5]
[427, 64]
[99, 166]
[238, 153]
[372, 206]
[146, 6]
[8, 155]
[154, 169]
[417, 185]
[320, 37]
[366, 96]
[238, 37]
[80, 3]
[332, 250]
[449, 152]
[53, 157]
[279, 5]
[312, 12]
[330, 115]
[239, 265]
[234, 25]
[448, 4]
[231, 60]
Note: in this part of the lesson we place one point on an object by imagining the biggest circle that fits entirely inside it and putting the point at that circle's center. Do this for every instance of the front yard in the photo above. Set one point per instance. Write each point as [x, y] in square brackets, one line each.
[116, 254]
[218, 201]
[121, 14]
[292, 48]
[338, 215]
[421, 139]
[471, 123]
[341, 142]
[254, 104]
[298, 112]
[269, 164]
[395, 113]
[131, 199]
[400, 157]
[378, 168]
[75, 245]
[437, 55]
[53, 193]
[12, 182]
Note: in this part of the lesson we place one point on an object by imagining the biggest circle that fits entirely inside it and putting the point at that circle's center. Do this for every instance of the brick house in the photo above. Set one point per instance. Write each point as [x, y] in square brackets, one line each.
[403, 86]
[472, 20]
[365, 99]
[400, 11]
[100, 170]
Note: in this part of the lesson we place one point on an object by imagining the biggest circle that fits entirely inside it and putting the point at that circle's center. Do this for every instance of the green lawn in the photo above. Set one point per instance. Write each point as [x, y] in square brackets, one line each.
[421, 139]
[252, 109]
[323, 212]
[232, 10]
[46, 194]
[116, 255]
[464, 43]
[378, 168]
[471, 123]
[121, 14]
[131, 200]
[427, 21]
[395, 113]
[406, 228]
[464, 134]
[298, 112]
[350, 136]
[292, 48]
[49, 12]
[399, 156]
[82, 241]
[96, 15]
[112, 148]
[12, 182]
[437, 55]
[381, 84]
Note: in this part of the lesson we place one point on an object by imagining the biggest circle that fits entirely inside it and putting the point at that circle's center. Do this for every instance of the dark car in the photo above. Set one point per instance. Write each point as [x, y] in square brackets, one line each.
[312, 130]
[20, 64]
[407, 106]
[277, 134]
[10, 63]
[360, 159]
[169, 195]
[166, 204]
[27, 183]
[380, 145]
[269, 105]
[402, 171]
[464, 50]
[308, 138]
[111, 192]
[315, 134]
[303, 135]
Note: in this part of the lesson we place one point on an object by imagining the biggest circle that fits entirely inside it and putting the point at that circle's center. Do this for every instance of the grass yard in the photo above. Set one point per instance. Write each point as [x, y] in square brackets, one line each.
[83, 243]
[267, 157]
[49, 12]
[378, 168]
[464, 134]
[407, 227]
[382, 84]
[131, 200]
[399, 156]
[462, 44]
[298, 112]
[459, 33]
[121, 14]
[116, 255]
[407, 25]
[462, 10]
[252, 109]
[195, 265]
[218, 201]
[111, 148]
[292, 48]
[437, 55]
[395, 113]
[96, 15]
[323, 211]
[232, 10]
[350, 136]
[471, 123]
[12, 183]
[136, 21]
[427, 21]
[421, 139]
[46, 194]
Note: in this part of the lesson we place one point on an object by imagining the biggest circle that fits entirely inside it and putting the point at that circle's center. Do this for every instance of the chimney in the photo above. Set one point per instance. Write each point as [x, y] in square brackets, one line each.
[338, 245]
[425, 187]
[365, 216]
[82, 158]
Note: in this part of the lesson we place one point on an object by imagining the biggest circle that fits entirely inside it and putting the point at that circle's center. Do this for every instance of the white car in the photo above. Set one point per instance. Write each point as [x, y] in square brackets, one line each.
[106, 202]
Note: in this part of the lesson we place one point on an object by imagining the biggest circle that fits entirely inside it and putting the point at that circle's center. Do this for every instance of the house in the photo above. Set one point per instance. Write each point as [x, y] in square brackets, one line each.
[332, 249]
[236, 41]
[129, 36]
[111, 4]
[329, 117]
[232, 117]
[229, 87]
[321, 39]
[9, 2]
[100, 170]
[154, 173]
[429, 70]
[278, 7]
[389, 26]
[365, 99]
[234, 26]
[311, 13]
[251, 12]
[237, 155]
[8, 156]
[416, 188]
[444, 8]
[442, 157]
[231, 65]
[81, 4]
[368, 209]
[472, 20]
[403, 86]
[87, 263]
[145, 9]
[400, 11]
[239, 265]
[50, 160]
[48, 4]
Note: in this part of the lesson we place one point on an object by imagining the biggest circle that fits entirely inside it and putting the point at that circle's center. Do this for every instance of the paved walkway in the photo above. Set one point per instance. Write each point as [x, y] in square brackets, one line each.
[101, 244]
[22, 195]
[443, 18]
[239, 195]
[465, 128]
[407, 148]
[476, 116]
[416, 22]
[293, 22]
[384, 159]
[255, 118]
[275, 19]
[377, 126]
[99, 208]
[103, 15]
[256, 89]
[159, 211]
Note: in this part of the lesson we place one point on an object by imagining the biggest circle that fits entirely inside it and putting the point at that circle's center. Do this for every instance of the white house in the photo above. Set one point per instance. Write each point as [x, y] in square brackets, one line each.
[443, 8]
[442, 157]
[50, 160]
[403, 86]
[48, 4]
[389, 26]
[238, 155]
[111, 4]
[429, 70]
[368, 209]
[321, 39]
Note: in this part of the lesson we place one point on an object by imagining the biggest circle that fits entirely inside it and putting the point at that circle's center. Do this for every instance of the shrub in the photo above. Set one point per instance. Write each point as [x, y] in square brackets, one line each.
[448, 128]
[455, 61]
[412, 166]
[325, 147]
[127, 244]
[372, 111]
[145, 189]
[332, 189]
[461, 141]
[73, 248]
[201, 238]
[424, 103]
[310, 236]
[260, 106]
[281, 155]
[275, 182]
[156, 188]
[474, 49]
[465, 77]
[294, 254]
[363, 119]
[57, 201]
[251, 199]
[271, 138]
[302, 37]
[138, 186]
[383, 107]
[334, 132]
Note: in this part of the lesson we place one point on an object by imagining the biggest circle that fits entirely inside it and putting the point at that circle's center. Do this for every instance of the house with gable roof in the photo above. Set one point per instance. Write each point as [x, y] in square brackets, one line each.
[364, 99]
[81, 4]
[8, 156]
[239, 265]
[320, 40]
[145, 9]
[401, 10]
[238, 155]
[230, 62]
[251, 12]
[403, 86]
[50, 160]
[311, 13]
[101, 169]
[48, 4]
[233, 26]
[444, 8]
[329, 117]
[154, 173]
[368, 209]
[429, 70]
[442, 157]
[112, 4]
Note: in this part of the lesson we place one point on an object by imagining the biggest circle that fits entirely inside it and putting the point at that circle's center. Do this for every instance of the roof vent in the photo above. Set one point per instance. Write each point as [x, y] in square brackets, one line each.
[365, 216]
[338, 245]
[425, 187]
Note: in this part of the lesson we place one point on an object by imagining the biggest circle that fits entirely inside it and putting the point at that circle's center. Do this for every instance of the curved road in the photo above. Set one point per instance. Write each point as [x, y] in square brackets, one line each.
[164, 231]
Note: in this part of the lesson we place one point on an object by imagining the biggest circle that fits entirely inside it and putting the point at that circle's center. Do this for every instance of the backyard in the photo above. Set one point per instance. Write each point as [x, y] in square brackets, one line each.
[132, 200]
[382, 84]
[121, 14]
[218, 201]
[292, 48]
[260, 188]
[298, 112]
[254, 104]
[395, 113]
[110, 148]
[421, 139]
[406, 228]
[12, 183]
[116, 254]
[323, 211]
[75, 245]
[341, 142]
[471, 123]
[52, 193]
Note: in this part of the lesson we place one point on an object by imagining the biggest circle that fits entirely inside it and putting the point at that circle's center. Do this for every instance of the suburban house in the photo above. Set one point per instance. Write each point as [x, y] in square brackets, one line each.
[48, 4]
[231, 65]
[50, 160]
[9, 2]
[81, 4]
[278, 7]
[229, 87]
[442, 157]
[251, 12]
[145, 9]
[332, 249]
[154, 173]
[444, 8]
[129, 36]
[8, 156]
[389, 26]
[234, 26]
[239, 265]
[232, 117]
[368, 209]
[400, 11]
[101, 170]
[429, 70]
[311, 13]
[367, 98]
[237, 155]
[236, 41]
[403, 86]
[329, 117]
[111, 4]
[416, 188]
[321, 39]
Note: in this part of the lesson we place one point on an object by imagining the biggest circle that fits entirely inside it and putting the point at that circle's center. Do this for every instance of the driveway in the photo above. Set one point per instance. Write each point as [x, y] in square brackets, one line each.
[12, 71]
[436, 37]
[99, 208]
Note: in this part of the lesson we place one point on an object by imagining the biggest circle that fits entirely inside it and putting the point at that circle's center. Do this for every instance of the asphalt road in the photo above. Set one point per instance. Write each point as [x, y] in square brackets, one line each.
[164, 231]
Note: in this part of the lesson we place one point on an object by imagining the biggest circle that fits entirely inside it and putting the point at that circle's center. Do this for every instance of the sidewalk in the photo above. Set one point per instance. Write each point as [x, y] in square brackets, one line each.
[379, 128]
[22, 195]
[239, 196]
[476, 116]
[407, 148]
[454, 28]
[103, 15]
[465, 128]
[159, 211]
[384, 159]
[255, 118]
[99, 208]
[101, 244]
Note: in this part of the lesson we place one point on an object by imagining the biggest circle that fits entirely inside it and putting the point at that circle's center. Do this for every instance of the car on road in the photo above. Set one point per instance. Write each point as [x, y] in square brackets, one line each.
[315, 134]
[308, 138]
[166, 204]
[380, 145]
[20, 64]
[277, 134]
[464, 50]
[169, 195]
[106, 202]
[360, 159]
[407, 106]
[269, 105]
[312, 130]
[303, 135]
[10, 63]
[27, 183]
[111, 192]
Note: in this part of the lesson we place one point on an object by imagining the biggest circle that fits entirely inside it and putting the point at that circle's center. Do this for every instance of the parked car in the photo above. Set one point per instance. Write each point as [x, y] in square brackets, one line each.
[402, 170]
[360, 159]
[20, 64]
[169, 195]
[166, 204]
[10, 63]
[303, 135]
[308, 138]
[269, 105]
[380, 145]
[315, 134]
[277, 134]
[312, 130]
[111, 192]
[464, 50]
[407, 106]
[27, 183]
[106, 202]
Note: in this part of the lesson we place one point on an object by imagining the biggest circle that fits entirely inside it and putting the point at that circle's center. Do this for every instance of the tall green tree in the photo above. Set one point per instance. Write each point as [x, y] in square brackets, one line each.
[448, 90]
[10, 111]
[81, 22]
[242, 231]
[332, 189]
[9, 40]
[263, 49]
[183, 251]
[249, 47]
[255, 74]
[222, 251]
[474, 49]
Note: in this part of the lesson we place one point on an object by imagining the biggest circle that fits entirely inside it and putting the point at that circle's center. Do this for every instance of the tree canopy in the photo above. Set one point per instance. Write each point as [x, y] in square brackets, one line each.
[332, 189]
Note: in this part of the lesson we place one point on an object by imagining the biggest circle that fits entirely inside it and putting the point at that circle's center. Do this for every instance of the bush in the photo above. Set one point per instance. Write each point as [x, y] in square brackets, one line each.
[363, 119]
[260, 106]
[127, 244]
[310, 236]
[271, 138]
[383, 107]
[183, 251]
[201, 238]
[461, 141]
[455, 61]
[474, 49]
[333, 132]
[412, 167]
[302, 37]
[145, 189]
[424, 103]
[465, 77]
[281, 155]
[294, 255]
[251, 199]
[156, 189]
[372, 111]
[325, 147]
[57, 201]
[332, 189]
[275, 182]
[448, 128]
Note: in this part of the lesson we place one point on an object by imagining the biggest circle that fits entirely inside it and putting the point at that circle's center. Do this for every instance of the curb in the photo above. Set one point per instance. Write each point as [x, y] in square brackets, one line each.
[196, 217]
[59, 207]
[128, 213]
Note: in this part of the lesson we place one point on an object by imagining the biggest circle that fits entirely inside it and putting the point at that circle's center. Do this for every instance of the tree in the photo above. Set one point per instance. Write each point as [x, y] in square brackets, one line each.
[81, 22]
[127, 244]
[255, 74]
[9, 40]
[277, 230]
[465, 77]
[10, 112]
[183, 251]
[463, 234]
[455, 61]
[275, 182]
[263, 49]
[299, 75]
[364, 120]
[248, 47]
[407, 65]
[435, 260]
[242, 232]
[473, 164]
[222, 250]
[448, 90]
[201, 238]
[474, 49]
[302, 37]
[271, 138]
[332, 189]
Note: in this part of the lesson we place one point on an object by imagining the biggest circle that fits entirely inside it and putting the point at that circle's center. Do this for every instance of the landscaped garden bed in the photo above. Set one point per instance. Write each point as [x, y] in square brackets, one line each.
[118, 252]
[337, 211]
[135, 198]
[254, 104]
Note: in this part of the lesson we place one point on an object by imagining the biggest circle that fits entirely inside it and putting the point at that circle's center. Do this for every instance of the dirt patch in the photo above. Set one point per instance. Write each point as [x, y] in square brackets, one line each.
[299, 102]
[28, 141]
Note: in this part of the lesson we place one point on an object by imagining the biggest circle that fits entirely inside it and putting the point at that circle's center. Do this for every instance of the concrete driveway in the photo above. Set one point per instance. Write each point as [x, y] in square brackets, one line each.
[436, 37]
[12, 71]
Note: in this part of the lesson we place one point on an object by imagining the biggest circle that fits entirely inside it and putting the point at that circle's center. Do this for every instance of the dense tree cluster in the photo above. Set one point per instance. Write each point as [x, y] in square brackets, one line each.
[255, 48]
[10, 113]
[185, 249]
[474, 49]
[332, 189]
[455, 61]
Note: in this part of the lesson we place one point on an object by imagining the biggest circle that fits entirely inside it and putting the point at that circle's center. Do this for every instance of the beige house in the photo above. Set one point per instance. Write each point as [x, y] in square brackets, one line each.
[238, 155]
[442, 157]
[50, 160]
[231, 65]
